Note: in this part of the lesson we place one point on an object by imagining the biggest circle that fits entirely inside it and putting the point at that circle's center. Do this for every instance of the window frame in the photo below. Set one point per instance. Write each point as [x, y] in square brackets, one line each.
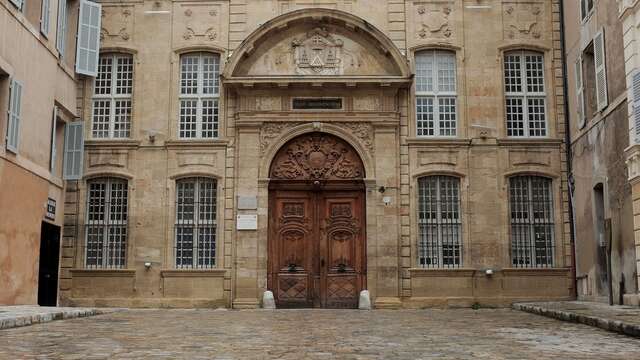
[525, 95]
[531, 224]
[436, 95]
[14, 116]
[423, 251]
[196, 224]
[45, 18]
[199, 96]
[107, 262]
[586, 13]
[113, 97]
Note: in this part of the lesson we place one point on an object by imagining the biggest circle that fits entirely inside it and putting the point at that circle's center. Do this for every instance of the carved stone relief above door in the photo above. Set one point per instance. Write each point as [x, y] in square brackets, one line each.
[317, 156]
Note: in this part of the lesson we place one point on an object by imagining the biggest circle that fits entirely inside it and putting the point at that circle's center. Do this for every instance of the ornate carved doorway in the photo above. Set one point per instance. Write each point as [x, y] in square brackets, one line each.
[316, 224]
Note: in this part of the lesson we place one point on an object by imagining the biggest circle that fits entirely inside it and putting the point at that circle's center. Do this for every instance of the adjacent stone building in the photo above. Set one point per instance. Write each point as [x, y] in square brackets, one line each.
[605, 246]
[319, 148]
[629, 15]
[37, 100]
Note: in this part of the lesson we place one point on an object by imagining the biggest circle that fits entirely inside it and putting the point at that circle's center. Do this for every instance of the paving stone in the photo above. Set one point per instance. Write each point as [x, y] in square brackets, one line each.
[315, 334]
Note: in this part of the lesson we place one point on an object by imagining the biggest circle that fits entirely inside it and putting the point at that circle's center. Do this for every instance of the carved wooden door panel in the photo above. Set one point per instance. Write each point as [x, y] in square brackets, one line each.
[291, 248]
[342, 251]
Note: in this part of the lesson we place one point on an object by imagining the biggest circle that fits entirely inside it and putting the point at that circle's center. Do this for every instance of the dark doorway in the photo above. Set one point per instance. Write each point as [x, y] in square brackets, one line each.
[49, 261]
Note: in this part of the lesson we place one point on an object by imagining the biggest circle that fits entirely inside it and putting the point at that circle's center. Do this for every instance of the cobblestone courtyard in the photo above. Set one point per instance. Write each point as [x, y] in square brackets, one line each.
[315, 334]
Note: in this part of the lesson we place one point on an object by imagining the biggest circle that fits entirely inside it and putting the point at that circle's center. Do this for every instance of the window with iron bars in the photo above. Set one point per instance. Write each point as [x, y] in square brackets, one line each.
[106, 223]
[436, 109]
[199, 93]
[439, 221]
[525, 96]
[532, 221]
[112, 91]
[195, 227]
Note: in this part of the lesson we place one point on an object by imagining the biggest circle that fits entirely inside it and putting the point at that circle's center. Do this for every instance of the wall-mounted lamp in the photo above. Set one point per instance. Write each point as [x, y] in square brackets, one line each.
[147, 265]
[488, 272]
[382, 189]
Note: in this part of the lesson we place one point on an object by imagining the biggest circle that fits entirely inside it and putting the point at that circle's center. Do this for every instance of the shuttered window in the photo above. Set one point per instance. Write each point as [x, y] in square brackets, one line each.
[61, 30]
[45, 16]
[88, 38]
[106, 227]
[525, 95]
[73, 150]
[112, 97]
[586, 6]
[439, 221]
[199, 93]
[52, 156]
[601, 70]
[436, 97]
[195, 227]
[532, 221]
[636, 104]
[580, 94]
[14, 116]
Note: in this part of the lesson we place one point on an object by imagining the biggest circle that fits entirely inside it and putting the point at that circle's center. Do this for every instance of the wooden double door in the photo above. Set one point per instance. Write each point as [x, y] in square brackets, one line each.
[317, 247]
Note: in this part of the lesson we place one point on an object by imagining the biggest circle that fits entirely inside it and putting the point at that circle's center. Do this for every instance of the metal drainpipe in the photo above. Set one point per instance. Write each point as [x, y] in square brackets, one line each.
[567, 139]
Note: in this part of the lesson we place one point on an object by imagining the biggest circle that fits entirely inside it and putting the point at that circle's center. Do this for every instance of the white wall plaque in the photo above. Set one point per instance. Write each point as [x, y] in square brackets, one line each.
[247, 202]
[247, 222]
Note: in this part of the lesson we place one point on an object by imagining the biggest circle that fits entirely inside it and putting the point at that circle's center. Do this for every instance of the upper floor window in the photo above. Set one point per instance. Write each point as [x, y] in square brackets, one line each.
[61, 27]
[525, 94]
[45, 15]
[436, 97]
[586, 6]
[532, 221]
[14, 116]
[18, 3]
[112, 92]
[106, 224]
[195, 226]
[591, 80]
[199, 93]
[439, 221]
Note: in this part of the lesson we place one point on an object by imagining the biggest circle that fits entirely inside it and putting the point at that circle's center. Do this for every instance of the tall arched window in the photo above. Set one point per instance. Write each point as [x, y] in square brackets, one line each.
[532, 221]
[525, 96]
[106, 223]
[199, 93]
[112, 92]
[439, 221]
[436, 97]
[195, 227]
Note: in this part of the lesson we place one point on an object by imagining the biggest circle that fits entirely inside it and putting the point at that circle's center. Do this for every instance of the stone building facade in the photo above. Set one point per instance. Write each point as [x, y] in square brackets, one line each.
[601, 193]
[629, 15]
[318, 148]
[37, 101]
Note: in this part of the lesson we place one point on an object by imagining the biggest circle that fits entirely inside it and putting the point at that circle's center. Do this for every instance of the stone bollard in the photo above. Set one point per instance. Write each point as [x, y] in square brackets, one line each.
[365, 301]
[268, 302]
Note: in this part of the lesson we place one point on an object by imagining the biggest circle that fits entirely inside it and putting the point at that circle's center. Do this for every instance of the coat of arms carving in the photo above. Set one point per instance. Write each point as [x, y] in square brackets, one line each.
[318, 53]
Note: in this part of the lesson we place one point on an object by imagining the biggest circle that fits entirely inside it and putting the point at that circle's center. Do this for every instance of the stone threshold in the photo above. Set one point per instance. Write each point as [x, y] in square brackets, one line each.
[592, 317]
[25, 315]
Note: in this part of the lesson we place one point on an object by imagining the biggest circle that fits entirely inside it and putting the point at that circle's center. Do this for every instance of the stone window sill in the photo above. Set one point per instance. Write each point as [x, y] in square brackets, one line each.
[165, 273]
[103, 272]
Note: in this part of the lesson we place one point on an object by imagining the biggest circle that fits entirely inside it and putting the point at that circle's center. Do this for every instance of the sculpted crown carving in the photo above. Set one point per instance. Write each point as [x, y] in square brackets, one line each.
[317, 156]
[318, 53]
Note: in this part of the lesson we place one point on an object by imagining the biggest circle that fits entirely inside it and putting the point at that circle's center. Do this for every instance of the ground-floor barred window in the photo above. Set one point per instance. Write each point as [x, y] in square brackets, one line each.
[195, 226]
[439, 221]
[532, 222]
[106, 224]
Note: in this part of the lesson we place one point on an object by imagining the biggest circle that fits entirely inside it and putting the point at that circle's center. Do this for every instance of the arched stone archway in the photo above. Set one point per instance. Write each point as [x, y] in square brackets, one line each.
[317, 237]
